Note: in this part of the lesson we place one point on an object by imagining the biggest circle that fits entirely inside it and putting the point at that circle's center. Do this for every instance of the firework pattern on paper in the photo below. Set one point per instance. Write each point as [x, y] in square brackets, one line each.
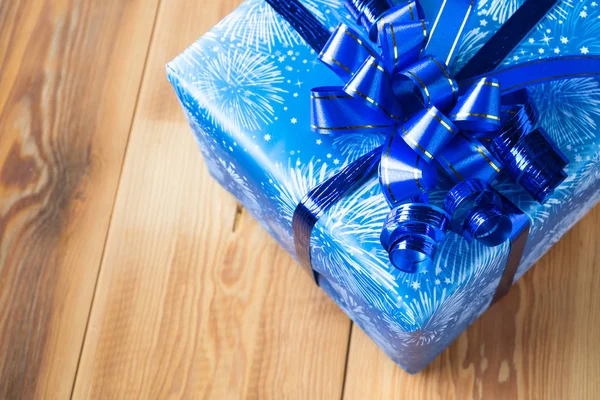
[245, 88]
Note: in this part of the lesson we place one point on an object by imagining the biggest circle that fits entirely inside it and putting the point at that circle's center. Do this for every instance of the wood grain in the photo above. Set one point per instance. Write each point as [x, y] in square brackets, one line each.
[185, 306]
[69, 77]
[193, 299]
[540, 342]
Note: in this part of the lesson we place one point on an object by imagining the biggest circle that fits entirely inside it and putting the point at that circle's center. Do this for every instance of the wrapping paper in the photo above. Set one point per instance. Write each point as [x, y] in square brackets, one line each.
[245, 89]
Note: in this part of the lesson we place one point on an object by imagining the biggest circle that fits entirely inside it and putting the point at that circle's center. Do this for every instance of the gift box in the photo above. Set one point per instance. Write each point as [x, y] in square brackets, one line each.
[246, 89]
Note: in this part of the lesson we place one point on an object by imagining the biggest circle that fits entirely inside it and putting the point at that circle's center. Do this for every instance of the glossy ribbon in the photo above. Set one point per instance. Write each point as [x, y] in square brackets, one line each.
[400, 85]
[399, 88]
[495, 50]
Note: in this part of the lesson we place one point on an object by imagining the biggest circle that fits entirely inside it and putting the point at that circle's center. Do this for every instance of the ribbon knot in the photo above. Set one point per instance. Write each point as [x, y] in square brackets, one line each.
[394, 85]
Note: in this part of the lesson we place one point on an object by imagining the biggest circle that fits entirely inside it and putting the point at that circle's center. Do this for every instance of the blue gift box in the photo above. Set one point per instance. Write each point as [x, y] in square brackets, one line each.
[245, 88]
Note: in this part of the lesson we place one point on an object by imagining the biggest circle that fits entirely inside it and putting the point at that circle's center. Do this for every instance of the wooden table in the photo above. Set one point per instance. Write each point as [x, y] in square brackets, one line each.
[125, 272]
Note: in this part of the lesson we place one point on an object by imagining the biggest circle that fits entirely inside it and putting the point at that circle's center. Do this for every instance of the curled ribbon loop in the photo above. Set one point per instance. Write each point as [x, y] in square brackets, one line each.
[425, 83]
[408, 39]
[335, 111]
[529, 155]
[396, 81]
[345, 52]
[428, 132]
[374, 14]
[372, 84]
[397, 89]
[403, 171]
[479, 110]
[537, 165]
[489, 225]
[477, 212]
[411, 234]
[367, 13]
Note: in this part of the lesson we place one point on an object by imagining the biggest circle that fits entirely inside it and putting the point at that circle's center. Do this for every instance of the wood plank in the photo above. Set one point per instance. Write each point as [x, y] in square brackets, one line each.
[186, 307]
[540, 342]
[70, 72]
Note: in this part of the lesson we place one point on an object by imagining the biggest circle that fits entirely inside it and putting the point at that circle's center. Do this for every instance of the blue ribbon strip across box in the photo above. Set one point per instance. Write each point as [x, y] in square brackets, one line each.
[416, 157]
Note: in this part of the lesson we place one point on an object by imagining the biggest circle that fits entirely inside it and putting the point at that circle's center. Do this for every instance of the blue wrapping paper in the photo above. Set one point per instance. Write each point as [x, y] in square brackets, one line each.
[245, 88]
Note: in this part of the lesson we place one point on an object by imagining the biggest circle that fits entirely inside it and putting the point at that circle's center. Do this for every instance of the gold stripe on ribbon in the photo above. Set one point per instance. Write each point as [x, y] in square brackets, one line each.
[359, 41]
[328, 58]
[440, 120]
[489, 160]
[330, 97]
[413, 141]
[416, 171]
[488, 83]
[450, 80]
[437, 19]
[460, 31]
[410, 7]
[346, 128]
[376, 65]
[458, 175]
[424, 35]
[422, 85]
[482, 152]
[376, 104]
[395, 43]
[466, 114]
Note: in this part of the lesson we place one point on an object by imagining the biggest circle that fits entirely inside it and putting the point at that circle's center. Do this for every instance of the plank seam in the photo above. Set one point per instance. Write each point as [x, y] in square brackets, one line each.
[347, 360]
[133, 118]
[237, 218]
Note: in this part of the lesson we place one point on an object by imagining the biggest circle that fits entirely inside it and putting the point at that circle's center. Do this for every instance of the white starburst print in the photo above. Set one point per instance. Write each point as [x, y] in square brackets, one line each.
[471, 43]
[589, 174]
[347, 239]
[354, 145]
[239, 87]
[499, 10]
[245, 88]
[569, 109]
[570, 28]
[292, 182]
[256, 24]
[581, 29]
[561, 11]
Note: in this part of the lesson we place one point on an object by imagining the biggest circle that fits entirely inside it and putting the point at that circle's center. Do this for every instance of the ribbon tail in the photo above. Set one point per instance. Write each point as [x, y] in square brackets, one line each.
[480, 212]
[447, 29]
[517, 77]
[335, 111]
[518, 240]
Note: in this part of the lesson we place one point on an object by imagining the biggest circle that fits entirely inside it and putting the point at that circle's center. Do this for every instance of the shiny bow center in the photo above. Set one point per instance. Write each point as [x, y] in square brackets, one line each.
[394, 86]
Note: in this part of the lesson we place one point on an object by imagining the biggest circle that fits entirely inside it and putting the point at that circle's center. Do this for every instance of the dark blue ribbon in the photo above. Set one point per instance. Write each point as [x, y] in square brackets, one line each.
[402, 86]
[322, 197]
[506, 38]
[303, 22]
[532, 73]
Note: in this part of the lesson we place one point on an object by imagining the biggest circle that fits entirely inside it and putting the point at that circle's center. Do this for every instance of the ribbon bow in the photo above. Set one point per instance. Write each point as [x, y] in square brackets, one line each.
[473, 133]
